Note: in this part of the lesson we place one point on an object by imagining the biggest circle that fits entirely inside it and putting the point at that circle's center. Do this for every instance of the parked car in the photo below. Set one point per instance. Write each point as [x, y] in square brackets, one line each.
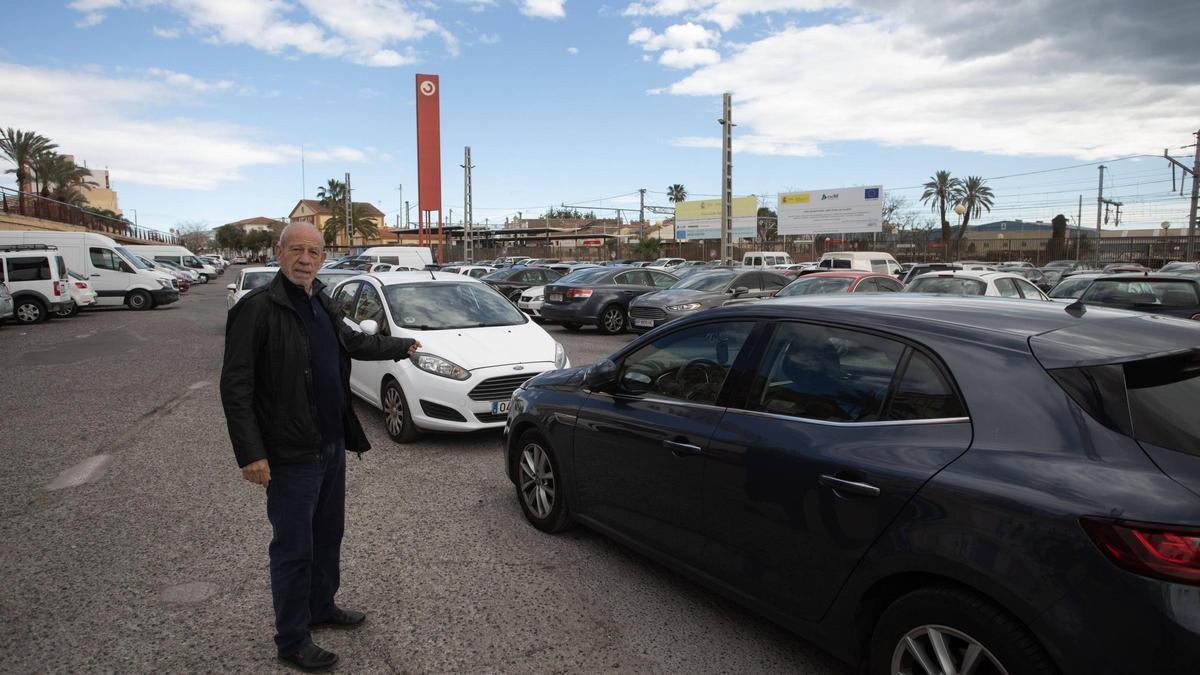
[511, 281]
[331, 278]
[1180, 267]
[925, 268]
[183, 276]
[667, 264]
[601, 296]
[766, 259]
[1051, 277]
[1034, 275]
[531, 301]
[854, 281]
[1123, 268]
[1073, 286]
[239, 260]
[902, 480]
[567, 268]
[1068, 265]
[81, 293]
[962, 282]
[1169, 294]
[179, 256]
[249, 279]
[1014, 263]
[702, 291]
[6, 303]
[36, 276]
[474, 271]
[477, 348]
[867, 261]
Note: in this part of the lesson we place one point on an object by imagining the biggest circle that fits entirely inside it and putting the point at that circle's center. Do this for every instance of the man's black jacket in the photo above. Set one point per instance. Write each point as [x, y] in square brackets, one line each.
[266, 382]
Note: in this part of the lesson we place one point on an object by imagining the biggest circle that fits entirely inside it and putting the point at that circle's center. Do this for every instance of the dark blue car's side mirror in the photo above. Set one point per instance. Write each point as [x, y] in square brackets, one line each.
[600, 374]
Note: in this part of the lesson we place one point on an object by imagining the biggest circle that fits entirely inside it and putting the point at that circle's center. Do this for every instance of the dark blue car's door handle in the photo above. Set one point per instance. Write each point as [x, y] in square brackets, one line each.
[682, 449]
[848, 486]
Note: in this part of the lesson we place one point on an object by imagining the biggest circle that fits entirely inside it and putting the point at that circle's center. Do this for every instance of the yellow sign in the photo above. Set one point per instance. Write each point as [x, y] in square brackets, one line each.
[793, 198]
[711, 208]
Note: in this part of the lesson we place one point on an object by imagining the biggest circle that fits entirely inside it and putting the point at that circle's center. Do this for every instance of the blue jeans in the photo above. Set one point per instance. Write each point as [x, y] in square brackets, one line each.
[306, 504]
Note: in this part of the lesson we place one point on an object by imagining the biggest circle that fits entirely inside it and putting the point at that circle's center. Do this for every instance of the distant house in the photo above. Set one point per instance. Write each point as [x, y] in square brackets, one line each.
[313, 211]
[255, 224]
[97, 190]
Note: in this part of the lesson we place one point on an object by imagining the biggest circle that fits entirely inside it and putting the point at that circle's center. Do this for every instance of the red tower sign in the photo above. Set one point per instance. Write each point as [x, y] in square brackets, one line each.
[429, 156]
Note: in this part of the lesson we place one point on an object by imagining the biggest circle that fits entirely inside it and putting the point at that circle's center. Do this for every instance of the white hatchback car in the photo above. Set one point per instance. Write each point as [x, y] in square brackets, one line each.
[531, 301]
[476, 349]
[970, 282]
[82, 294]
[250, 279]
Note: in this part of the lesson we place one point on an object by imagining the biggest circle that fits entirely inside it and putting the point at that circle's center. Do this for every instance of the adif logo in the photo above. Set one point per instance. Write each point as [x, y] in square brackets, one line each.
[428, 88]
[828, 195]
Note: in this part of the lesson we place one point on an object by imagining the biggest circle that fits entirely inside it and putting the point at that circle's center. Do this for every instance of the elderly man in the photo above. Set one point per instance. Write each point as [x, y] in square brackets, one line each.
[285, 387]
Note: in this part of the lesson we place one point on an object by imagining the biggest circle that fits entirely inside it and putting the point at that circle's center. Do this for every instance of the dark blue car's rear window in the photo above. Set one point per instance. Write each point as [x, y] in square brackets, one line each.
[1162, 400]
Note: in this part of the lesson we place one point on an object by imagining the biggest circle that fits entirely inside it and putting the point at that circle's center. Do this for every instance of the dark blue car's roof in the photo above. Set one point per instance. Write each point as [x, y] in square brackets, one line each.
[1065, 338]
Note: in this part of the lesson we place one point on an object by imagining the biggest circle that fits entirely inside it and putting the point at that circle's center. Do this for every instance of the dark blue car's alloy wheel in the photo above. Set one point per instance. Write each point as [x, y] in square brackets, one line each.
[941, 650]
[537, 480]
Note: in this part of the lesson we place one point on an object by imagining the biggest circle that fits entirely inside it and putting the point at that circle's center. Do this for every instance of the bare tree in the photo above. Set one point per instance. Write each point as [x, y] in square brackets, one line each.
[195, 235]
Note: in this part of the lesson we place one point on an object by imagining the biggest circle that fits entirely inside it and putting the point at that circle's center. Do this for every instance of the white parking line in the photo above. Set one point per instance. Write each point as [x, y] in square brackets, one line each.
[87, 471]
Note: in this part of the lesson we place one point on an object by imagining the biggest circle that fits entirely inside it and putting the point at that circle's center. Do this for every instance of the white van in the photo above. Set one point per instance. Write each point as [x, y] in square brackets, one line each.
[867, 261]
[180, 256]
[416, 257]
[36, 276]
[116, 274]
[766, 259]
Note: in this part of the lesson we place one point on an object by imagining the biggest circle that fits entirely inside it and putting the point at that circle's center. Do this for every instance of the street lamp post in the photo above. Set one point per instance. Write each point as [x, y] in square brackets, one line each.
[960, 210]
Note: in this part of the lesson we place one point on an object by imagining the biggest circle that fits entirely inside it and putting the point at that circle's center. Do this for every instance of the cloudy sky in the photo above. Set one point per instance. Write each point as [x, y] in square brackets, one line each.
[201, 108]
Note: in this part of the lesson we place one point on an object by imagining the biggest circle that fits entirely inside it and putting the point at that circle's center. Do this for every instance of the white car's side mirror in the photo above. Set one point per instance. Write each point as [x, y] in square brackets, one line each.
[232, 288]
[369, 326]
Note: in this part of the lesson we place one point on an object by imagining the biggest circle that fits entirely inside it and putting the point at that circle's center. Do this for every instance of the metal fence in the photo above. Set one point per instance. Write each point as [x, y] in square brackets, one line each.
[1149, 251]
[35, 206]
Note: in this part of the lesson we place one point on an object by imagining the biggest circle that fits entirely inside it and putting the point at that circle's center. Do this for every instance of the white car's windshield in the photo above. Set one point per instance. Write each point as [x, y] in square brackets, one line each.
[252, 280]
[442, 306]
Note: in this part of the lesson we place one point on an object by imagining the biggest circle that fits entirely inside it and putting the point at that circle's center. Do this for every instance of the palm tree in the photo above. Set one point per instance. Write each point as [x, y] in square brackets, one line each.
[975, 197]
[941, 191]
[361, 220]
[21, 147]
[676, 193]
[60, 178]
[332, 193]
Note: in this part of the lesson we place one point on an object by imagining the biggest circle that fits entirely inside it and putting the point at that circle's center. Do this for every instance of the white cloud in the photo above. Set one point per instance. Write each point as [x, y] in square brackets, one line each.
[487, 39]
[366, 32]
[572, 50]
[185, 81]
[543, 9]
[894, 83]
[683, 45]
[166, 33]
[119, 131]
[726, 13]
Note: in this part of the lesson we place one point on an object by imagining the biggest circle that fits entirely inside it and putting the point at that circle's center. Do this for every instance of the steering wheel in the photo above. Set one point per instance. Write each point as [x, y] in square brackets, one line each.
[698, 373]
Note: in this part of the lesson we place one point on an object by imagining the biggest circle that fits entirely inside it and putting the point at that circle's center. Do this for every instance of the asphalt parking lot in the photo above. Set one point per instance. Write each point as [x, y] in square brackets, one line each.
[132, 543]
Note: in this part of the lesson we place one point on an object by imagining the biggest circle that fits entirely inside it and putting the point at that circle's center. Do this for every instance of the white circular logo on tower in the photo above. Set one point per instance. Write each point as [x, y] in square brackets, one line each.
[428, 88]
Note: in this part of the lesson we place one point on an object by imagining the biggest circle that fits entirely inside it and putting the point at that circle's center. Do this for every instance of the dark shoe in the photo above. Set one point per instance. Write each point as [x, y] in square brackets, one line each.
[341, 618]
[310, 658]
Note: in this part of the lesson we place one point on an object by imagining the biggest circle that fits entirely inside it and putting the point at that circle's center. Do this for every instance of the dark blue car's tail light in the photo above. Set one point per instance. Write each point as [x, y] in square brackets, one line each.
[1161, 551]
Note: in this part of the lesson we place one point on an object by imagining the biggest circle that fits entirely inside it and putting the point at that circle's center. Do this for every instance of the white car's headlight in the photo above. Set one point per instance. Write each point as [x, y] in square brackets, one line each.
[684, 308]
[164, 283]
[439, 366]
[560, 356]
[537, 298]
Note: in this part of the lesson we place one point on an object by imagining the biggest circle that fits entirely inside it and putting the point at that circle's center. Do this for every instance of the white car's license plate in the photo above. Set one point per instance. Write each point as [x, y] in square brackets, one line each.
[556, 297]
[644, 323]
[499, 407]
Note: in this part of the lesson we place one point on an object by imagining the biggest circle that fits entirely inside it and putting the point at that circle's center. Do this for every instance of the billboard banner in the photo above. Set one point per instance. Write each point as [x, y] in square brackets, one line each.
[855, 209]
[429, 143]
[701, 219]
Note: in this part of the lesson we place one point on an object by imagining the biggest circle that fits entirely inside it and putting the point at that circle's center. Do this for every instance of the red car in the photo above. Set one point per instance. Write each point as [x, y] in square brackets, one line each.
[849, 281]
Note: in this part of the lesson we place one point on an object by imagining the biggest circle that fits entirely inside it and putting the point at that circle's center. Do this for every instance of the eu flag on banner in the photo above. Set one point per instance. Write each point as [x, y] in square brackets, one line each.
[871, 193]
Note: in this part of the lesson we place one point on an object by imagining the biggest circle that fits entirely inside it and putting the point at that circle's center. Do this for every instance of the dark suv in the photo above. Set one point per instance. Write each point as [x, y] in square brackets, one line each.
[927, 485]
[600, 296]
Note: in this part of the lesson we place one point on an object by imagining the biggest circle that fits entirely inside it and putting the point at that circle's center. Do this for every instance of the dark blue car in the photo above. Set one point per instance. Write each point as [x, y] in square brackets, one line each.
[921, 485]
